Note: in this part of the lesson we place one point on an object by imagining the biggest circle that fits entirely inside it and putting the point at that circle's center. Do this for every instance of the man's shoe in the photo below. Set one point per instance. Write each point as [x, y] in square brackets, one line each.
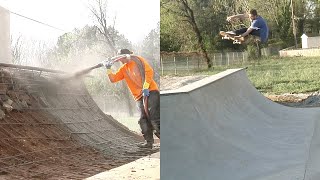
[145, 145]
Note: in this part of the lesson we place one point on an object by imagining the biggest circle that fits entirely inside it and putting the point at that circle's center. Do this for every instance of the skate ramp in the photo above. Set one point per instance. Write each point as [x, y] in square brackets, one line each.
[52, 129]
[221, 127]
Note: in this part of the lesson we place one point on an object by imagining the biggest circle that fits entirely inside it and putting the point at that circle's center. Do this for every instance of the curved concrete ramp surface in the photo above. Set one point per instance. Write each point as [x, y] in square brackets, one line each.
[52, 129]
[221, 127]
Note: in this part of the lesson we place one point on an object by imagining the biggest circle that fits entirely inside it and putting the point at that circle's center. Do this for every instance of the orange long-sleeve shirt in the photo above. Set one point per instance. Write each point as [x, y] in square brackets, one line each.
[135, 73]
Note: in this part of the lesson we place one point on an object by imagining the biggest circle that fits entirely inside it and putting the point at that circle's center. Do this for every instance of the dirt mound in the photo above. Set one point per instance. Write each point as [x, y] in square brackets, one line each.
[297, 100]
[50, 129]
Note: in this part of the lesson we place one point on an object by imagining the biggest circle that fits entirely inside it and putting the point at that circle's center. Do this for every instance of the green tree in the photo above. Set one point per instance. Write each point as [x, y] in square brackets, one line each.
[185, 10]
[169, 32]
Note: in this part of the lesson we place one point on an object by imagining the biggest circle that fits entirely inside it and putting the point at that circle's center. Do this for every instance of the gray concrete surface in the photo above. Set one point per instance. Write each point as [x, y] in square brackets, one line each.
[222, 128]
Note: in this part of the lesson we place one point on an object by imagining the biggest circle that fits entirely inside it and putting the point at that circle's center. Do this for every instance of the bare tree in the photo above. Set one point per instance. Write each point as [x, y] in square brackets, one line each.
[25, 51]
[100, 13]
[185, 11]
[16, 50]
[189, 17]
[107, 30]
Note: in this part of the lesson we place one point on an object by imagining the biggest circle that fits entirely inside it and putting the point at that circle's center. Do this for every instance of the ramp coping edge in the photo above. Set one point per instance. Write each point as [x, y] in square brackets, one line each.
[203, 82]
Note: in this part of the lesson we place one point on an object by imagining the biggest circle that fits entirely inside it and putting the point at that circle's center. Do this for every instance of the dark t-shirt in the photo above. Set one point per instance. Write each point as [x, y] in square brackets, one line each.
[260, 24]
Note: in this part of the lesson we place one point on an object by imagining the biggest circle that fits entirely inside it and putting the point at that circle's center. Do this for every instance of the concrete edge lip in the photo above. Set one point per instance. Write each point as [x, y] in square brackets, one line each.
[203, 82]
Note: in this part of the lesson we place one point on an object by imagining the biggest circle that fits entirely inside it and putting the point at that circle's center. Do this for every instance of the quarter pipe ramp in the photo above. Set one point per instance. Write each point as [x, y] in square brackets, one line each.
[221, 127]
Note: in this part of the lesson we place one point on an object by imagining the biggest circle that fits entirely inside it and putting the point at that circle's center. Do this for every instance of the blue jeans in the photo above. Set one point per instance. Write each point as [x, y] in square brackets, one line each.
[243, 30]
[148, 124]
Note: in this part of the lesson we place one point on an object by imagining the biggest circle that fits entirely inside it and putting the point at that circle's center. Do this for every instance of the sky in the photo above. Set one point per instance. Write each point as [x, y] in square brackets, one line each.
[134, 18]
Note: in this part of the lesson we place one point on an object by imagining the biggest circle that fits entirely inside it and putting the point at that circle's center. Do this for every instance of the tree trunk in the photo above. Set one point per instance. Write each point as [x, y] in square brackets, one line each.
[202, 48]
[190, 18]
[294, 29]
[300, 25]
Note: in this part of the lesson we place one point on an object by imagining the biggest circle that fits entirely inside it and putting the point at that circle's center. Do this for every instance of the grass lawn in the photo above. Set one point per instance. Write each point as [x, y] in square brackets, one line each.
[281, 75]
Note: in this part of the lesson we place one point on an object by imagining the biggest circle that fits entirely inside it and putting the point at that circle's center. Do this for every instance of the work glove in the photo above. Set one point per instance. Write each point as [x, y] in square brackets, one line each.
[145, 90]
[107, 64]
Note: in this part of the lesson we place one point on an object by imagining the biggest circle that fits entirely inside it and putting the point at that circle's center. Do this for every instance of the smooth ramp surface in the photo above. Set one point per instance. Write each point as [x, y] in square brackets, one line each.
[221, 127]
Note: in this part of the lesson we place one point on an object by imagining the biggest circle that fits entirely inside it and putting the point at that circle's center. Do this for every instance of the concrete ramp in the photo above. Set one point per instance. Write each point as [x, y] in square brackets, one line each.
[221, 127]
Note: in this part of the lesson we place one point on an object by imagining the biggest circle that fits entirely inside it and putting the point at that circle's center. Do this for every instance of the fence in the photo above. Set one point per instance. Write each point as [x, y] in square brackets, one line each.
[185, 63]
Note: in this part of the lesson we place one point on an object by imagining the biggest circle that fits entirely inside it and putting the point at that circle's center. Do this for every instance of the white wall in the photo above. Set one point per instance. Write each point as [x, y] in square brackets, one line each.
[5, 54]
[304, 41]
[309, 52]
[314, 42]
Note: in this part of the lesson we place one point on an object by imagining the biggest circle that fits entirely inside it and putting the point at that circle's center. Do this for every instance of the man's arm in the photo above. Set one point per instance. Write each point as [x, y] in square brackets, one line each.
[238, 16]
[148, 73]
[148, 77]
[246, 33]
[254, 26]
[117, 76]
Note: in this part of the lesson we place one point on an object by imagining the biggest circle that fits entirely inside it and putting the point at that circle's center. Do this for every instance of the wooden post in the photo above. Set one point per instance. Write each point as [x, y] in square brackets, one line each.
[175, 66]
[228, 59]
[237, 56]
[232, 57]
[243, 57]
[188, 64]
[161, 62]
[198, 63]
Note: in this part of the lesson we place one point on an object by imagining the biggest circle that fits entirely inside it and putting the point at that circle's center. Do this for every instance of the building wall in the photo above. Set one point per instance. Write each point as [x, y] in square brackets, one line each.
[314, 42]
[300, 52]
[5, 54]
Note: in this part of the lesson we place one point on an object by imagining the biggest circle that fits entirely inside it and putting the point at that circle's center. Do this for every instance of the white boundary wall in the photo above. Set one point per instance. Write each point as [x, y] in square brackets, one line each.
[300, 52]
[5, 55]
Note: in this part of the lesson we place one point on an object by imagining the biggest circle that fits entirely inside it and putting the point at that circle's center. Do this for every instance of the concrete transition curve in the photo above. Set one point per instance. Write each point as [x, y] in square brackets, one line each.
[221, 127]
[52, 129]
